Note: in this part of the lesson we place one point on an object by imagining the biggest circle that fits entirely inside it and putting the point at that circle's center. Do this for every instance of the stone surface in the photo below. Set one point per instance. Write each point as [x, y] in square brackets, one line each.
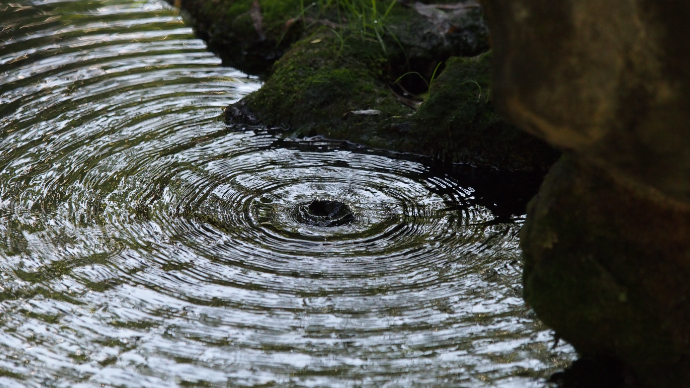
[608, 263]
[607, 240]
[609, 80]
[434, 32]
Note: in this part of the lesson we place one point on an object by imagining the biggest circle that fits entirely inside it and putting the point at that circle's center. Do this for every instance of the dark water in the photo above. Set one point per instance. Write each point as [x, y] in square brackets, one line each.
[144, 243]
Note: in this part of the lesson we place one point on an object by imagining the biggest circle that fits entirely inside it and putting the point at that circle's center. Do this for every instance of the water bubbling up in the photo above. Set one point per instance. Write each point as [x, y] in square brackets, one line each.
[324, 213]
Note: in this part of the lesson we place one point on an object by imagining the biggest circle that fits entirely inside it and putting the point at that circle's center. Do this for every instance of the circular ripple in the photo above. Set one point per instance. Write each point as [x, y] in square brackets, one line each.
[251, 201]
[144, 243]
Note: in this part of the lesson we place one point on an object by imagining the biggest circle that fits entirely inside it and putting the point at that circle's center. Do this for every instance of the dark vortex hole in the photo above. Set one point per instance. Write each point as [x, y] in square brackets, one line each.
[324, 213]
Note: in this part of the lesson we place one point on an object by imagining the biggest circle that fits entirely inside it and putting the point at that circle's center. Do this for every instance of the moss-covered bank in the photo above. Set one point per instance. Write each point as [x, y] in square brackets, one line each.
[458, 122]
[252, 34]
[350, 72]
[247, 35]
[321, 87]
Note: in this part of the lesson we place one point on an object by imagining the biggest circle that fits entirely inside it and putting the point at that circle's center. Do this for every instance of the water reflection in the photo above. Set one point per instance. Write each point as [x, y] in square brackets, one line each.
[144, 243]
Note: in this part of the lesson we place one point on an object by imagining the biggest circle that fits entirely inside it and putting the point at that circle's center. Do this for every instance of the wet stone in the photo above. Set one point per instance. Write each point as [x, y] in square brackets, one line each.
[606, 247]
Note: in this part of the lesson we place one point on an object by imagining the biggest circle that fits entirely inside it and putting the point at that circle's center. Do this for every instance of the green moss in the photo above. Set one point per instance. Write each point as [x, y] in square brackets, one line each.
[338, 57]
[315, 88]
[229, 28]
[459, 123]
[230, 31]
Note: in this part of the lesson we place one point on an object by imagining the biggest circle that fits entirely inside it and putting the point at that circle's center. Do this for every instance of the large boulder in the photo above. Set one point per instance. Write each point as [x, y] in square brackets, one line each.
[608, 80]
[607, 240]
[608, 263]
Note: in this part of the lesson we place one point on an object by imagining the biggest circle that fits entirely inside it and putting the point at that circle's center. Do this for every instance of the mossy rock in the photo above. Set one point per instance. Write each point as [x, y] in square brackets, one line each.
[327, 86]
[324, 88]
[607, 262]
[338, 82]
[252, 34]
[459, 123]
[231, 31]
[439, 34]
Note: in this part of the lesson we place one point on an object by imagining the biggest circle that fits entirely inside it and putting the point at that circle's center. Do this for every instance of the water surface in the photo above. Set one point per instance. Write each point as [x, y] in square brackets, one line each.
[144, 243]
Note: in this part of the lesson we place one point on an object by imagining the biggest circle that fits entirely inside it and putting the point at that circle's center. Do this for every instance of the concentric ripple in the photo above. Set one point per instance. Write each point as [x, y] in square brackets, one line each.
[144, 243]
